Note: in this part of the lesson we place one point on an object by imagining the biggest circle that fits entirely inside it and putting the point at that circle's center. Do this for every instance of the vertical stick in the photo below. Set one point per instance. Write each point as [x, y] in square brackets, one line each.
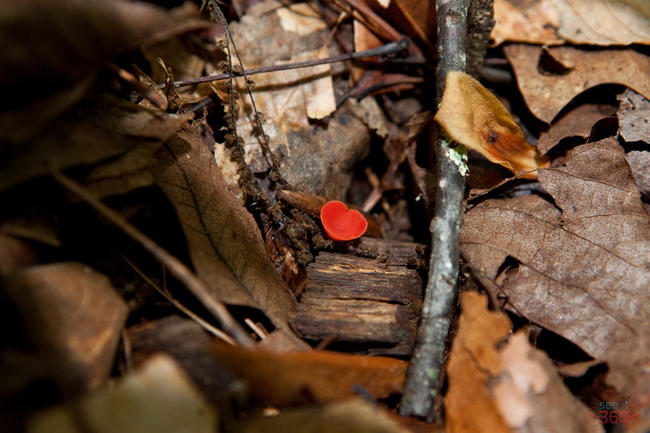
[423, 377]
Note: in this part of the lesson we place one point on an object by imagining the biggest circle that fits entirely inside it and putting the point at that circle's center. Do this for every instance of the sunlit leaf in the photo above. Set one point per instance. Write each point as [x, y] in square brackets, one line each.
[474, 117]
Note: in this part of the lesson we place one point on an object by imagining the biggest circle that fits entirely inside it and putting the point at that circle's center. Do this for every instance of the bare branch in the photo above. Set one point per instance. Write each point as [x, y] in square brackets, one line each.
[423, 381]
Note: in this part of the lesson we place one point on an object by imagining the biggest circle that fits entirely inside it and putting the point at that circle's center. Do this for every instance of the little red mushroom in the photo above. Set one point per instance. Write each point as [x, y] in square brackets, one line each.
[341, 223]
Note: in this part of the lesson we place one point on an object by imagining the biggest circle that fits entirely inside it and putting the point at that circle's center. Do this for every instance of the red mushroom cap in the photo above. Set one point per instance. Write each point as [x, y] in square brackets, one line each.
[341, 223]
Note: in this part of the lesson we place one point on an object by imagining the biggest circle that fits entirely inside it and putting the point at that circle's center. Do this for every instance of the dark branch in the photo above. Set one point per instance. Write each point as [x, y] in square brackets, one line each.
[423, 381]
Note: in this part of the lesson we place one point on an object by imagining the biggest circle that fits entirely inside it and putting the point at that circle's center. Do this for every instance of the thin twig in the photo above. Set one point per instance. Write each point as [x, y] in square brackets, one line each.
[384, 50]
[424, 378]
[175, 266]
[165, 294]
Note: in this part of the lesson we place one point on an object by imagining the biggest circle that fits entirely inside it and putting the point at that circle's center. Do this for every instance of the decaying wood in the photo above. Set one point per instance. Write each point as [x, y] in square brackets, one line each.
[373, 299]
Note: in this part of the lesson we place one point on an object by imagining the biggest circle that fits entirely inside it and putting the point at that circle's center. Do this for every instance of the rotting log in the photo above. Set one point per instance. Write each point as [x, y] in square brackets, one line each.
[373, 300]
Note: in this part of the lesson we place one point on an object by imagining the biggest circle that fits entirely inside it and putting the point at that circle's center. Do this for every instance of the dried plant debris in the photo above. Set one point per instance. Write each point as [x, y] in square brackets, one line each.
[583, 265]
[520, 21]
[51, 49]
[633, 117]
[282, 379]
[94, 130]
[575, 123]
[224, 241]
[475, 118]
[351, 416]
[604, 22]
[316, 158]
[551, 22]
[549, 78]
[639, 161]
[158, 397]
[472, 361]
[507, 387]
[73, 317]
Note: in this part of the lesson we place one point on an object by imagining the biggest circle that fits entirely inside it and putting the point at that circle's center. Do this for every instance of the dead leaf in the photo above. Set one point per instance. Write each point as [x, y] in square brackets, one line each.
[15, 253]
[583, 270]
[224, 242]
[73, 39]
[552, 22]
[547, 93]
[634, 117]
[469, 407]
[514, 388]
[94, 130]
[289, 378]
[350, 416]
[604, 22]
[576, 123]
[317, 159]
[159, 397]
[123, 173]
[187, 342]
[294, 95]
[74, 318]
[415, 18]
[524, 21]
[533, 398]
[640, 164]
[474, 117]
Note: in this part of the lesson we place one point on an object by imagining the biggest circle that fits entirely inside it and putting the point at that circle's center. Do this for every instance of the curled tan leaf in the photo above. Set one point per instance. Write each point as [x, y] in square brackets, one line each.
[474, 117]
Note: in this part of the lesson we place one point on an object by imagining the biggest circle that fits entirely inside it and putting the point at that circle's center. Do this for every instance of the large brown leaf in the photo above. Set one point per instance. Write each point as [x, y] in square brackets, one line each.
[282, 379]
[583, 270]
[73, 317]
[50, 47]
[550, 79]
[549, 22]
[224, 242]
[509, 387]
[94, 130]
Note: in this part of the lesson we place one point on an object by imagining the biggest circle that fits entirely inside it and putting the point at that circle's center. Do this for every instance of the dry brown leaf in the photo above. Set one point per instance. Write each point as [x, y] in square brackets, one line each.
[350, 416]
[474, 359]
[317, 159]
[364, 40]
[289, 97]
[159, 398]
[122, 174]
[224, 242]
[576, 123]
[604, 22]
[547, 93]
[514, 388]
[525, 21]
[634, 117]
[583, 270]
[290, 378]
[533, 398]
[552, 22]
[74, 318]
[639, 161]
[15, 253]
[474, 117]
[92, 131]
[49, 48]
